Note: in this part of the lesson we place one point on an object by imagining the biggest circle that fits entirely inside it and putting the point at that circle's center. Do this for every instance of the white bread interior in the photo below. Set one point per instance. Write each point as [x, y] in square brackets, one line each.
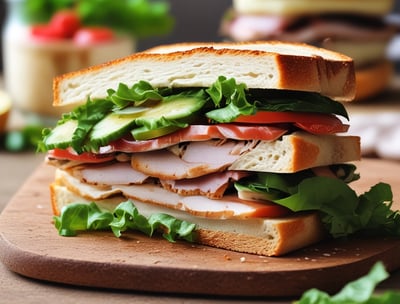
[262, 236]
[263, 65]
[303, 7]
[299, 151]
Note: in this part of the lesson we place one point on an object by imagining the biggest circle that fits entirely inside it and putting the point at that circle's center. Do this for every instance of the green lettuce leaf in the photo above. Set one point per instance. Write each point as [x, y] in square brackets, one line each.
[139, 93]
[360, 291]
[296, 101]
[342, 211]
[82, 217]
[232, 99]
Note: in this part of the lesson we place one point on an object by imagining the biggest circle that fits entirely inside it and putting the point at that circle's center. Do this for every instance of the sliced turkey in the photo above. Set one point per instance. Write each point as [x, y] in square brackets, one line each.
[108, 174]
[188, 161]
[212, 185]
[227, 207]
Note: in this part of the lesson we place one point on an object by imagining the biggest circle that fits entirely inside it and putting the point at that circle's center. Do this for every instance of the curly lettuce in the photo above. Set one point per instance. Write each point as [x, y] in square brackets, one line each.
[81, 217]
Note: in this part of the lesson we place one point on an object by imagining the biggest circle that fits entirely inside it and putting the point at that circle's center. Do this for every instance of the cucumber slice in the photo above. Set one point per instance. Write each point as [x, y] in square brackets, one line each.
[176, 107]
[116, 124]
[111, 127]
[131, 110]
[143, 133]
[61, 135]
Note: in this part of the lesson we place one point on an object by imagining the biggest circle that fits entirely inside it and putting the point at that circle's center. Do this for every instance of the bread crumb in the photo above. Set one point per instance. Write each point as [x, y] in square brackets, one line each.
[242, 259]
[227, 257]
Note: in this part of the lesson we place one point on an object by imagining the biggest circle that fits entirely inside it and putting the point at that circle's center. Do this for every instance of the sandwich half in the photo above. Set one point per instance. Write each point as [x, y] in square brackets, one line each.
[357, 28]
[239, 146]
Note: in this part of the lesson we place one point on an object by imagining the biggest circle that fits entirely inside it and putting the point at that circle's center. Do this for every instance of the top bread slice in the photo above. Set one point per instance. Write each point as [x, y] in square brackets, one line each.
[262, 65]
[306, 7]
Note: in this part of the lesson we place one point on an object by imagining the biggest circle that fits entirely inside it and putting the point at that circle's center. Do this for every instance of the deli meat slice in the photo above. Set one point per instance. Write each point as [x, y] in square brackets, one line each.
[258, 27]
[212, 185]
[192, 160]
[227, 207]
[197, 133]
[108, 174]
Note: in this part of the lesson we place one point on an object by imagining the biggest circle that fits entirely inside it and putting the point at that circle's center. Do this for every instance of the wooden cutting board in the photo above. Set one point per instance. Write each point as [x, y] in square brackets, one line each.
[30, 246]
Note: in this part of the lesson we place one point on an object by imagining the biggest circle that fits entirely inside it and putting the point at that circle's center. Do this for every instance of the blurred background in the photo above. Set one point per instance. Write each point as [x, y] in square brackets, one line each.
[173, 21]
[194, 21]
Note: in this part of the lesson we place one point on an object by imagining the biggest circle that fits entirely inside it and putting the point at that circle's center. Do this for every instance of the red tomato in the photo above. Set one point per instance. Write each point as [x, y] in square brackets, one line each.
[87, 36]
[86, 157]
[269, 209]
[66, 22]
[315, 123]
[45, 32]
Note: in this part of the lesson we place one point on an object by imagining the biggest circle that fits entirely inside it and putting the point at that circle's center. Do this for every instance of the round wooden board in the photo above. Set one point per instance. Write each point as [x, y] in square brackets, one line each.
[30, 246]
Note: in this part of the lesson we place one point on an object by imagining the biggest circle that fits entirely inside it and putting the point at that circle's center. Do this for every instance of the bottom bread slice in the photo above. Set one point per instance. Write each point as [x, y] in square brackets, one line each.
[262, 236]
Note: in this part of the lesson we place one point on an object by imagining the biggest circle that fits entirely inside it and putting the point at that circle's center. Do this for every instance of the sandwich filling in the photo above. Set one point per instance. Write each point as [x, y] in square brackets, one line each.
[223, 152]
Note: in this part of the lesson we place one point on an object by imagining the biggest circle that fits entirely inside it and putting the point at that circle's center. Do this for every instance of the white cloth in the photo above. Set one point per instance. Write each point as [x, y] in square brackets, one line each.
[379, 133]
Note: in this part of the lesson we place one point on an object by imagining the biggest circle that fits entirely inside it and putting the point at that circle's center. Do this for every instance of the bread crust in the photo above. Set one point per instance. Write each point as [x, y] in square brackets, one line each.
[373, 80]
[265, 65]
[299, 151]
[262, 236]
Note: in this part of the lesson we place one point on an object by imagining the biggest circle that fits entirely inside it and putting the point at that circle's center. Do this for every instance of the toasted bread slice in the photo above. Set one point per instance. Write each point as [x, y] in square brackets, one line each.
[263, 236]
[262, 65]
[373, 79]
[299, 151]
[306, 7]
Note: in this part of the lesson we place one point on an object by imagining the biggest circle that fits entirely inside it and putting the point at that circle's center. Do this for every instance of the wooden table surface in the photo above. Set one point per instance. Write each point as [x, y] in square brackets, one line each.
[15, 168]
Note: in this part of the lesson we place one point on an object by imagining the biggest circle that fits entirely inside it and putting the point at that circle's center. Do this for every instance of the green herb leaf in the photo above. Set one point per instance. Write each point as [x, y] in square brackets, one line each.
[81, 217]
[360, 291]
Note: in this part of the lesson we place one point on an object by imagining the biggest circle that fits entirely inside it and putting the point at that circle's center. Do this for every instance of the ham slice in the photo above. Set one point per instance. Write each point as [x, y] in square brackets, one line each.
[194, 159]
[212, 185]
[197, 133]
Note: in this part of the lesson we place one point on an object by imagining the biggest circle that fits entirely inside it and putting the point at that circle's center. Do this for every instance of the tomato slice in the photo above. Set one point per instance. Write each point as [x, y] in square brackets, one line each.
[316, 123]
[85, 157]
[269, 209]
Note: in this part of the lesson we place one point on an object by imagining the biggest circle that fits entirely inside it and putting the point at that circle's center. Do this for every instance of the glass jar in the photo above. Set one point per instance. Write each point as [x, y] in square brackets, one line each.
[30, 64]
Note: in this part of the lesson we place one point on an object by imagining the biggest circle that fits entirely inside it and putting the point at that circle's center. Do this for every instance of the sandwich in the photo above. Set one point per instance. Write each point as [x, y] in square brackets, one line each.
[239, 146]
[357, 28]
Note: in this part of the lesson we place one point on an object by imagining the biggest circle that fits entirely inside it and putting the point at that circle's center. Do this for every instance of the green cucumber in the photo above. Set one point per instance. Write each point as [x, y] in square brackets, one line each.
[167, 117]
[144, 133]
[61, 135]
[116, 124]
[174, 107]
[111, 127]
